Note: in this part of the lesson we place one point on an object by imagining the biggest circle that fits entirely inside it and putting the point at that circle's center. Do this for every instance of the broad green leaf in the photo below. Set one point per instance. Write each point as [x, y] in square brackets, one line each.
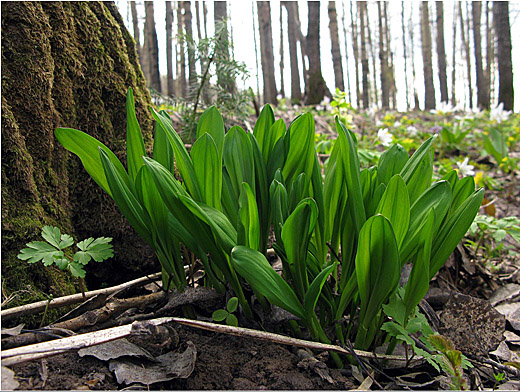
[208, 169]
[261, 131]
[229, 199]
[419, 280]
[239, 160]
[39, 250]
[452, 177]
[276, 159]
[335, 191]
[232, 320]
[211, 122]
[65, 241]
[259, 274]
[414, 163]
[219, 315]
[271, 138]
[300, 150]
[377, 270]
[262, 194]
[134, 138]
[76, 270]
[315, 288]
[350, 161]
[125, 198]
[87, 149]
[421, 178]
[436, 198]
[317, 194]
[162, 150]
[391, 162]
[395, 206]
[279, 207]
[232, 304]
[249, 226]
[62, 263]
[453, 230]
[52, 235]
[182, 158]
[99, 249]
[495, 144]
[296, 233]
[463, 189]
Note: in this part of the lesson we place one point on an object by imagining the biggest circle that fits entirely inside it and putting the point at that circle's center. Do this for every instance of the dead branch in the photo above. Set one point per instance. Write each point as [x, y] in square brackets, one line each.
[38, 307]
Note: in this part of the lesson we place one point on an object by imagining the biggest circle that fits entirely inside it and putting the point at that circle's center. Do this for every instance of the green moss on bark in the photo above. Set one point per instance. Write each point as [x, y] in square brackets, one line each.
[64, 64]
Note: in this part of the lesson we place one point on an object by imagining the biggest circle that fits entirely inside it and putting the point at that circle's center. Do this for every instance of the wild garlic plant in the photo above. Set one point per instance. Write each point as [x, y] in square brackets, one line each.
[343, 237]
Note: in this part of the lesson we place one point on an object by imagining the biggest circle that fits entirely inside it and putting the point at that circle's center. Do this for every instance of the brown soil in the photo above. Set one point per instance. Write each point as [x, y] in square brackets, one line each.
[223, 362]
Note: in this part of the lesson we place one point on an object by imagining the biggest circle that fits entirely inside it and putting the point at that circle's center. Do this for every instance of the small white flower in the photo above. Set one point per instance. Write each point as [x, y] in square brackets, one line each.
[465, 169]
[411, 130]
[320, 108]
[384, 137]
[397, 124]
[326, 100]
[379, 123]
[443, 108]
[498, 113]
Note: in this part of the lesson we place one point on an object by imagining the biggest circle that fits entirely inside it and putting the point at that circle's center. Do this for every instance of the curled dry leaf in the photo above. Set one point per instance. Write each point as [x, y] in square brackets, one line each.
[168, 367]
[116, 349]
[9, 382]
[15, 331]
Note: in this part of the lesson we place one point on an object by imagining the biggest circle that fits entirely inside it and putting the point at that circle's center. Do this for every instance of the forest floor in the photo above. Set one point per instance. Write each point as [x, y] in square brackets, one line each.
[474, 300]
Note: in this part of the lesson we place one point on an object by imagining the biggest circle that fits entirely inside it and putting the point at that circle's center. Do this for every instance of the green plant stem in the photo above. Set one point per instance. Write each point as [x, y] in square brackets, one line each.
[82, 287]
[45, 312]
[199, 90]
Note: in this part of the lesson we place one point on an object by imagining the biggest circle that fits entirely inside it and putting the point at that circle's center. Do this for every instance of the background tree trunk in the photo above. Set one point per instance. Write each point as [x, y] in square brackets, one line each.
[169, 50]
[385, 91]
[482, 94]
[282, 84]
[53, 65]
[489, 53]
[355, 47]
[441, 52]
[426, 38]
[362, 6]
[503, 46]
[135, 24]
[151, 45]
[373, 90]
[343, 23]
[296, 92]
[192, 74]
[266, 50]
[336, 51]
[220, 16]
[182, 89]
[465, 44]
[390, 59]
[405, 56]
[412, 46]
[454, 58]
[315, 86]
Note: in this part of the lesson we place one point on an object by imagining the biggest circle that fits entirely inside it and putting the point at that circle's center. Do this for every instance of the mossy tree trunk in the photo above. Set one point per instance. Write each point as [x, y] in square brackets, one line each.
[65, 64]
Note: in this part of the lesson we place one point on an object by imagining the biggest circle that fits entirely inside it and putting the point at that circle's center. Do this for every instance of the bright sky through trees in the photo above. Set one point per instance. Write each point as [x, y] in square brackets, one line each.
[241, 15]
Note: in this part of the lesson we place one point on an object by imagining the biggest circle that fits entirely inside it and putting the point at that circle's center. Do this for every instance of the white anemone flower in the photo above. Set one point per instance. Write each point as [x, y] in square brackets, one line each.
[397, 124]
[385, 137]
[411, 130]
[465, 169]
[498, 113]
[444, 108]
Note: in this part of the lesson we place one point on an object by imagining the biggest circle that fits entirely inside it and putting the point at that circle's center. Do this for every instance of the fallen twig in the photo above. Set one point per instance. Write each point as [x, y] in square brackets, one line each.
[46, 349]
[37, 307]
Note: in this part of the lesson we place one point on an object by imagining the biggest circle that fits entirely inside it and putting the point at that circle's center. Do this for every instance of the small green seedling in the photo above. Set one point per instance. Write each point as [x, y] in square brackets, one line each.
[52, 252]
[227, 314]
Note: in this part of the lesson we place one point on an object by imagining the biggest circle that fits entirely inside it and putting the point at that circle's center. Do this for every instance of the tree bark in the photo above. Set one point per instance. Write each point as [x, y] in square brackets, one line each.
[150, 42]
[282, 84]
[426, 38]
[52, 65]
[135, 24]
[266, 49]
[169, 50]
[489, 54]
[336, 51]
[362, 7]
[316, 88]
[405, 56]
[383, 59]
[441, 52]
[390, 58]
[482, 94]
[355, 47]
[343, 23]
[220, 16]
[296, 92]
[454, 58]
[503, 46]
[192, 74]
[412, 46]
[182, 85]
[373, 91]
[465, 44]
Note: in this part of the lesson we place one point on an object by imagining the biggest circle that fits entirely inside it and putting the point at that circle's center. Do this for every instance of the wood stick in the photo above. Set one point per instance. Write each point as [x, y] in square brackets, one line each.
[38, 307]
[46, 349]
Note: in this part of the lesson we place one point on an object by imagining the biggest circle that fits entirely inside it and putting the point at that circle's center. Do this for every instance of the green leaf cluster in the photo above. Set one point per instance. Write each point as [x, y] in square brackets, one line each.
[343, 235]
[52, 251]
